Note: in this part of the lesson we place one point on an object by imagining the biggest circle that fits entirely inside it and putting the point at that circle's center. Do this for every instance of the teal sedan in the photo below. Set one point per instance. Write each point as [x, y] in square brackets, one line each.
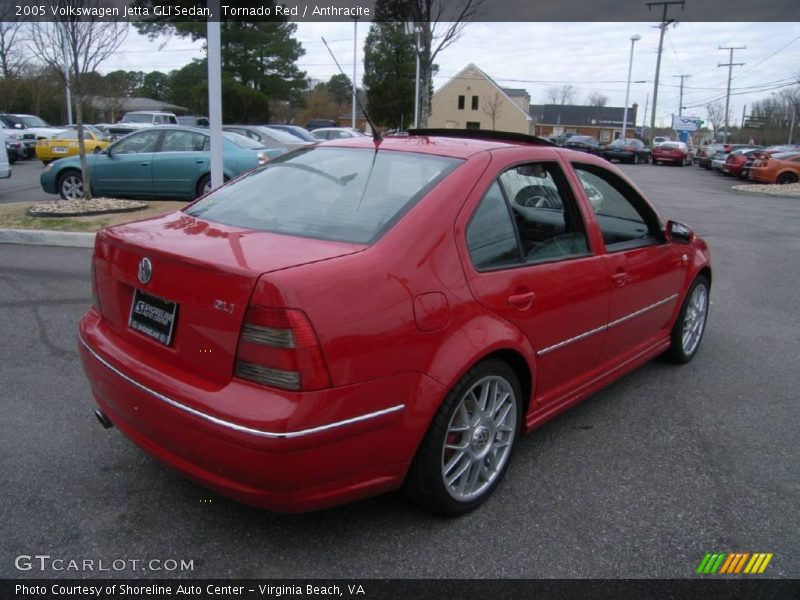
[162, 162]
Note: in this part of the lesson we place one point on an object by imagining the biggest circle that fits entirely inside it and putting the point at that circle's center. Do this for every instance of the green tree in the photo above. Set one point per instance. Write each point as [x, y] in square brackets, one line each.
[340, 88]
[258, 57]
[440, 23]
[155, 85]
[389, 72]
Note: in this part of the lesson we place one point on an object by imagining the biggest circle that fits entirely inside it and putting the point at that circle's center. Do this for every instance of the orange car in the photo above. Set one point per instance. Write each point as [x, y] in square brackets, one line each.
[783, 167]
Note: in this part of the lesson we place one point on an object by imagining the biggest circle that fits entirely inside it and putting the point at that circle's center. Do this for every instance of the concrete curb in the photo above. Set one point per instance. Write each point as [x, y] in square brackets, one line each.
[37, 237]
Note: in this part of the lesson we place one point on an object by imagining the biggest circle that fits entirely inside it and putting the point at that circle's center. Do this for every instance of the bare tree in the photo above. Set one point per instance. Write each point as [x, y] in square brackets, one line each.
[564, 94]
[715, 113]
[11, 38]
[492, 108]
[87, 44]
[440, 23]
[597, 99]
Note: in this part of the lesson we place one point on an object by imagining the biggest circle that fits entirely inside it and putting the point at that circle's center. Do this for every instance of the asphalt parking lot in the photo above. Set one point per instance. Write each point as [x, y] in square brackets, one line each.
[23, 185]
[641, 480]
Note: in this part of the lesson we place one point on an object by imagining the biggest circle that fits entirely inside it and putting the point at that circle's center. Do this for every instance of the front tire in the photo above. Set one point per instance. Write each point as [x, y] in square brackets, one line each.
[468, 446]
[687, 333]
[70, 185]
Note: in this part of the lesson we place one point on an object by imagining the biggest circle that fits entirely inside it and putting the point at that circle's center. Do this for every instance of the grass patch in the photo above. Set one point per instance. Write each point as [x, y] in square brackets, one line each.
[12, 216]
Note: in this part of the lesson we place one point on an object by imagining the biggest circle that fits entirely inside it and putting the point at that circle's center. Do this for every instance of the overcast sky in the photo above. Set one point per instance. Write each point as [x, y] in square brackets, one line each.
[536, 56]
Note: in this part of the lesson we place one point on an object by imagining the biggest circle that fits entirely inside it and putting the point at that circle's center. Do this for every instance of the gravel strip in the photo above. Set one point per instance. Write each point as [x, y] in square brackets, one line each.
[790, 189]
[79, 208]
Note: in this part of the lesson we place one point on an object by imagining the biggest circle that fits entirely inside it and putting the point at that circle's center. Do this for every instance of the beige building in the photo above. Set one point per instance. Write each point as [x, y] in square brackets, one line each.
[472, 100]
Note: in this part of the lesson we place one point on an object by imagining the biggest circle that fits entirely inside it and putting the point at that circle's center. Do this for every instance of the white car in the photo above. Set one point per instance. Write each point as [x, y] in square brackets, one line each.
[337, 133]
[138, 119]
[27, 129]
[5, 167]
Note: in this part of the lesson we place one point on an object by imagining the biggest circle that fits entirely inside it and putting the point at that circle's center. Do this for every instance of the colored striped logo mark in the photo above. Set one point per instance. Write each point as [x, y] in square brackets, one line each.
[734, 563]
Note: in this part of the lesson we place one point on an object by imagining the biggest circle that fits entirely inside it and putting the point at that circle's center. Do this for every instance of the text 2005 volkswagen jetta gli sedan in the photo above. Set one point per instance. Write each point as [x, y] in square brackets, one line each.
[367, 315]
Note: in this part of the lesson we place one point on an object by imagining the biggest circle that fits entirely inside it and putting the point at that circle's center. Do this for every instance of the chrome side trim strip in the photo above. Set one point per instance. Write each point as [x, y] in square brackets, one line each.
[577, 338]
[642, 311]
[235, 426]
[586, 334]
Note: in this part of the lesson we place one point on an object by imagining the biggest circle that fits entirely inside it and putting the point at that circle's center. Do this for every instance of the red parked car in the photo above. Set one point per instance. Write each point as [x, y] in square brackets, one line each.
[363, 316]
[672, 152]
[737, 163]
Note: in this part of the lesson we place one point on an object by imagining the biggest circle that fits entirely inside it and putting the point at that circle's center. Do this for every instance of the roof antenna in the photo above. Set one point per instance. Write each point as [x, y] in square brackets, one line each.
[376, 136]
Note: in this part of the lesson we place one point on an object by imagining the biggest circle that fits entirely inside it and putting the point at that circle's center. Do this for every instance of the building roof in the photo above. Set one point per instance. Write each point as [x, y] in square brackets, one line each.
[581, 116]
[136, 103]
[515, 92]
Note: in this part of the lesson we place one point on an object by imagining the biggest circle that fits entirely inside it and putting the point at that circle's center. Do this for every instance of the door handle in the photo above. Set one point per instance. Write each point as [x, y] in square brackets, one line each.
[145, 164]
[200, 161]
[620, 278]
[521, 301]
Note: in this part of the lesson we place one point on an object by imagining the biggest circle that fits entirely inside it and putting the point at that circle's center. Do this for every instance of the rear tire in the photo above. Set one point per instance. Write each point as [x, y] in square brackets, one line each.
[469, 444]
[204, 185]
[786, 178]
[687, 333]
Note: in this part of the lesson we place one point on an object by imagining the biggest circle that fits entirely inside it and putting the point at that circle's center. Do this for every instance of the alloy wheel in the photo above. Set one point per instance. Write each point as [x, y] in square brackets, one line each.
[479, 438]
[72, 187]
[695, 319]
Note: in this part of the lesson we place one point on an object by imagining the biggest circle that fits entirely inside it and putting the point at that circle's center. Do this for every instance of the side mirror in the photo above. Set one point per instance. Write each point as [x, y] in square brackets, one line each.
[678, 232]
[17, 125]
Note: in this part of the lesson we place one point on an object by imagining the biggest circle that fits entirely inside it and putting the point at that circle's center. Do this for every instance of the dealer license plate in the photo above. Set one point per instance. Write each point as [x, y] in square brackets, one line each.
[153, 316]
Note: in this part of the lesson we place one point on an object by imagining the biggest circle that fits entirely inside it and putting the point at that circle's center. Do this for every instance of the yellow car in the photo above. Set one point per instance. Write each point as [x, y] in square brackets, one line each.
[65, 143]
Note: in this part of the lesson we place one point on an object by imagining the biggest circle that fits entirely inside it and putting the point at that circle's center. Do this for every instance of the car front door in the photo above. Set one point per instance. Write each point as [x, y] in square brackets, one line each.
[644, 270]
[126, 170]
[182, 159]
[529, 260]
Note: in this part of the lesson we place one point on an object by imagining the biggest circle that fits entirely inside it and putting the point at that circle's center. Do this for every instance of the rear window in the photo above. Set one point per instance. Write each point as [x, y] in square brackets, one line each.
[345, 194]
[242, 141]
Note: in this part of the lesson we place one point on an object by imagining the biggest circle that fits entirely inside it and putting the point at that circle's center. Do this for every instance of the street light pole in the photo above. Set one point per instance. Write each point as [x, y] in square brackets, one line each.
[355, 64]
[634, 39]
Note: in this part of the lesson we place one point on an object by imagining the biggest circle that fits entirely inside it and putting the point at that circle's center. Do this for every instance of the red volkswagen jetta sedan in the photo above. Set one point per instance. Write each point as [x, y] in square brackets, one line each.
[368, 315]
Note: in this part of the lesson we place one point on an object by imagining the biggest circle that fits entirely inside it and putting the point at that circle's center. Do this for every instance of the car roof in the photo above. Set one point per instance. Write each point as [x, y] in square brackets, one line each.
[441, 145]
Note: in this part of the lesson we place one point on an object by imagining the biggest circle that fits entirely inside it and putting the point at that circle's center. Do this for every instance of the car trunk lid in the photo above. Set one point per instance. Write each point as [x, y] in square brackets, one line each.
[203, 272]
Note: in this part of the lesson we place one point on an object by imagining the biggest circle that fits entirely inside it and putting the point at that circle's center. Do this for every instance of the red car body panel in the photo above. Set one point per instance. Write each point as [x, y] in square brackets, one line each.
[399, 322]
[667, 154]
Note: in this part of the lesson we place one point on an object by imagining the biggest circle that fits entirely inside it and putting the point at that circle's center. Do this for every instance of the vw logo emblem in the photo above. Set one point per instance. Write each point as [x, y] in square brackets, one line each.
[145, 270]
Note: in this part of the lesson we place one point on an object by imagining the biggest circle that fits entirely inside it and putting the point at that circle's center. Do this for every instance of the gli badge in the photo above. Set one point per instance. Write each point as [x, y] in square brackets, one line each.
[227, 307]
[145, 270]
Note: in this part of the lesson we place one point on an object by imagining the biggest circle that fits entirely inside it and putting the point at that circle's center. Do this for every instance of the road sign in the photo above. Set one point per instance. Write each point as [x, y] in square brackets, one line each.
[686, 123]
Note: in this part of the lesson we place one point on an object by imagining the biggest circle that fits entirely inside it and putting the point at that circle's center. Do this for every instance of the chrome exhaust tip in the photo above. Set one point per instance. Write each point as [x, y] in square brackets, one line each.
[104, 420]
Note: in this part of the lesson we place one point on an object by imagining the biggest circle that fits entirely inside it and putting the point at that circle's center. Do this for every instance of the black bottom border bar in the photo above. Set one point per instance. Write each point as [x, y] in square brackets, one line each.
[705, 588]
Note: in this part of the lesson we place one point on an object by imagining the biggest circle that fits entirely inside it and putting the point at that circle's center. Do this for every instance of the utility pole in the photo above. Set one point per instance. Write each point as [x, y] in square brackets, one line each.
[663, 26]
[680, 104]
[730, 66]
[355, 64]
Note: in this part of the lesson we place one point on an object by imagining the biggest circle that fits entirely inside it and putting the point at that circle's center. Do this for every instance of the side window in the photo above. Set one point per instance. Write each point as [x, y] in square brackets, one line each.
[183, 141]
[491, 238]
[461, 103]
[474, 103]
[146, 141]
[624, 217]
[548, 220]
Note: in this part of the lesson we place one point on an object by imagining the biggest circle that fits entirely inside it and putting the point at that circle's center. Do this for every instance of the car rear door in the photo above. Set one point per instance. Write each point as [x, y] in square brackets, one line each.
[183, 157]
[528, 259]
[644, 271]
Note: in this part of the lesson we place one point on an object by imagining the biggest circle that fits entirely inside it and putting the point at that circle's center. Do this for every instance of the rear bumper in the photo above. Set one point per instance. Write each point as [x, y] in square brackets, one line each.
[278, 450]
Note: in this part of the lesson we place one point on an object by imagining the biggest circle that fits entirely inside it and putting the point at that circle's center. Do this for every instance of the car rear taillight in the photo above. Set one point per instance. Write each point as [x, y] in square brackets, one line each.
[278, 348]
[95, 297]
